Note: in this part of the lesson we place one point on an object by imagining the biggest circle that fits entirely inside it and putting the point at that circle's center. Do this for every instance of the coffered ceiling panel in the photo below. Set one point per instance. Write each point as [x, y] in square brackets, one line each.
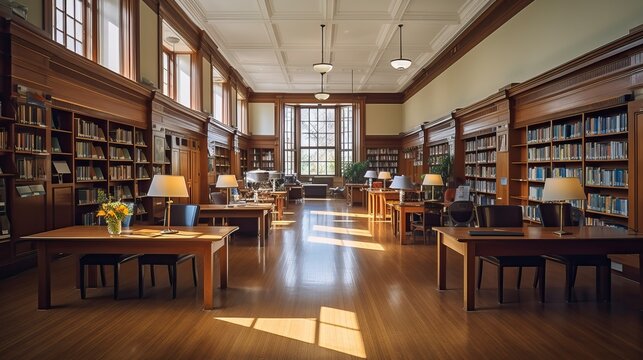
[274, 43]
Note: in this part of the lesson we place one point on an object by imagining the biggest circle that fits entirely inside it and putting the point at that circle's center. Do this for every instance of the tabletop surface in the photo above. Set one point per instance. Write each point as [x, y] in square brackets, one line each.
[543, 233]
[246, 206]
[81, 232]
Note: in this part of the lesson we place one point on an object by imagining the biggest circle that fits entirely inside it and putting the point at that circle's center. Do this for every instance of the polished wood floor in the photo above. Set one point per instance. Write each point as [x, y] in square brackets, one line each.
[329, 285]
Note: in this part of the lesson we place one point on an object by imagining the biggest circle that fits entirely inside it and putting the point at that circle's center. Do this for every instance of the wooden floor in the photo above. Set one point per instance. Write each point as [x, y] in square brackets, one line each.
[329, 285]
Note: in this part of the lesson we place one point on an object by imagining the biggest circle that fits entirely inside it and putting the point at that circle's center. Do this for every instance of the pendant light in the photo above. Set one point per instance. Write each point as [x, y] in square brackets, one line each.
[322, 67]
[321, 96]
[401, 63]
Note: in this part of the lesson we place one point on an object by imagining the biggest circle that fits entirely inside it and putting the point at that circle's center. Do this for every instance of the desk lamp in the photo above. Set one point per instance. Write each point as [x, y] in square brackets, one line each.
[561, 190]
[402, 182]
[168, 186]
[370, 175]
[384, 175]
[227, 182]
[432, 180]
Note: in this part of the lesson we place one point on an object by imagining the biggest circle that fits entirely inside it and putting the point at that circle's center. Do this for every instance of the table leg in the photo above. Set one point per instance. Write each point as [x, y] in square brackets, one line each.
[469, 276]
[223, 264]
[640, 281]
[402, 220]
[208, 271]
[442, 262]
[44, 277]
[262, 229]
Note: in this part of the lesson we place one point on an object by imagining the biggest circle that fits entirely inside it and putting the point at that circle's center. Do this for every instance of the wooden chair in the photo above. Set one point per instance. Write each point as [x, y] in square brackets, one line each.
[114, 260]
[461, 213]
[431, 216]
[508, 216]
[550, 217]
[181, 215]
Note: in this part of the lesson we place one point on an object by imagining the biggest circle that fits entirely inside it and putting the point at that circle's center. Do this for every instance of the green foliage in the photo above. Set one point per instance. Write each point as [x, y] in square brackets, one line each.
[445, 169]
[354, 172]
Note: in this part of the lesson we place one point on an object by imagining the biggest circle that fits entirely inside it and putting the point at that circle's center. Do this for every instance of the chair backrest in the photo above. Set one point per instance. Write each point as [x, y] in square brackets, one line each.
[499, 216]
[461, 213]
[550, 214]
[217, 198]
[184, 215]
[376, 184]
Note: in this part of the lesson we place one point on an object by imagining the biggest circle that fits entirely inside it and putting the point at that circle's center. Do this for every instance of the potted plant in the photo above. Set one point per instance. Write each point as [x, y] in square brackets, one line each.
[354, 172]
[445, 169]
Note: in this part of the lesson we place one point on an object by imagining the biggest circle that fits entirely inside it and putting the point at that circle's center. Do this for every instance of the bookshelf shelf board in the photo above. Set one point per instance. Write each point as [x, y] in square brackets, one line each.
[120, 180]
[62, 154]
[36, 153]
[86, 204]
[161, 163]
[621, 133]
[5, 240]
[61, 131]
[6, 118]
[82, 138]
[90, 159]
[536, 181]
[605, 214]
[607, 187]
[486, 177]
[606, 160]
[536, 201]
[143, 179]
[470, 163]
[126, 143]
[5, 151]
[63, 184]
[32, 126]
[535, 221]
[520, 180]
[91, 181]
[7, 175]
[471, 151]
[30, 181]
[485, 192]
[518, 145]
[470, 176]
[578, 138]
[521, 198]
[486, 162]
[518, 163]
[140, 145]
[142, 162]
[567, 161]
[539, 143]
[121, 160]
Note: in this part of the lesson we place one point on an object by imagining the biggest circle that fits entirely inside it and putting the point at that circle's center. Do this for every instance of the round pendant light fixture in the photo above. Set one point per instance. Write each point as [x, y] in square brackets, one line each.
[322, 67]
[321, 96]
[400, 63]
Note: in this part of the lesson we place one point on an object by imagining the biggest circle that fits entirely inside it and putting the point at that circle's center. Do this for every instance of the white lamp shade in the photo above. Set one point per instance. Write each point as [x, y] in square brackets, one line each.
[400, 64]
[432, 180]
[371, 174]
[168, 186]
[227, 181]
[402, 182]
[384, 175]
[321, 96]
[322, 68]
[561, 189]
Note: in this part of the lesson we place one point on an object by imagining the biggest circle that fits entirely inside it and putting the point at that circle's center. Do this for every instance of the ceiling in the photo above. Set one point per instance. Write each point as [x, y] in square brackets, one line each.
[273, 43]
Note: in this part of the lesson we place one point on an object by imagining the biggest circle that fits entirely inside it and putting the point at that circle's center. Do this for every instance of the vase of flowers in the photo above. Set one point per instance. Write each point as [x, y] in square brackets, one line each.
[113, 212]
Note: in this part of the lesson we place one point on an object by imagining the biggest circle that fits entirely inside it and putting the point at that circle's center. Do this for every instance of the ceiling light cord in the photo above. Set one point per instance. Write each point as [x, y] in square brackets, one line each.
[400, 27]
[322, 43]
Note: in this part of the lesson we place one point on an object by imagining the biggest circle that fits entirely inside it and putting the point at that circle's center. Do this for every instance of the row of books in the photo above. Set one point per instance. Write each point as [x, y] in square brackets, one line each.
[120, 172]
[606, 124]
[86, 196]
[606, 177]
[487, 171]
[122, 136]
[609, 150]
[380, 164]
[30, 142]
[538, 173]
[140, 156]
[383, 151]
[567, 152]
[607, 204]
[122, 192]
[567, 172]
[4, 139]
[538, 135]
[485, 186]
[141, 173]
[140, 138]
[486, 142]
[567, 131]
[119, 153]
[89, 150]
[531, 212]
[89, 219]
[485, 200]
[486, 157]
[31, 115]
[89, 130]
[380, 158]
[87, 173]
[30, 168]
[538, 153]
[535, 192]
[592, 221]
[442, 149]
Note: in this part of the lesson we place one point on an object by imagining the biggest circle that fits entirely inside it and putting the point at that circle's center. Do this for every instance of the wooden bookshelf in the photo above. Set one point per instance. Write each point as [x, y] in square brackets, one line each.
[262, 158]
[383, 159]
[480, 160]
[243, 162]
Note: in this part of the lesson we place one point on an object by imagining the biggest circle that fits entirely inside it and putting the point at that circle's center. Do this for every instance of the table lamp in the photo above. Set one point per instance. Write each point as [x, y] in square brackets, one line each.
[561, 190]
[402, 182]
[432, 180]
[384, 175]
[370, 175]
[227, 182]
[168, 186]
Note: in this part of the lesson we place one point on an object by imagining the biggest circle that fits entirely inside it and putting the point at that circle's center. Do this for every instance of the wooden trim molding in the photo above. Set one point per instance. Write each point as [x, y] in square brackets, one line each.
[370, 98]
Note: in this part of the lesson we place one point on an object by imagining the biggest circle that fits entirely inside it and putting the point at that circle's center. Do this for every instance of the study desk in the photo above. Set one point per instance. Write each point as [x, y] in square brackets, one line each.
[537, 240]
[259, 211]
[399, 214]
[377, 202]
[203, 241]
[354, 193]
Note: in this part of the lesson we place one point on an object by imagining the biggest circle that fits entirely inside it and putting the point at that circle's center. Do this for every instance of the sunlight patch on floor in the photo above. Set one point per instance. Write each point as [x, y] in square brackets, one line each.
[346, 243]
[342, 230]
[282, 222]
[338, 329]
[344, 221]
[337, 213]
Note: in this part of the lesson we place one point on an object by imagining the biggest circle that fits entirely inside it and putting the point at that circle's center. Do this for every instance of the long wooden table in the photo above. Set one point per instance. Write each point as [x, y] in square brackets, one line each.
[399, 214]
[259, 211]
[589, 240]
[377, 202]
[203, 241]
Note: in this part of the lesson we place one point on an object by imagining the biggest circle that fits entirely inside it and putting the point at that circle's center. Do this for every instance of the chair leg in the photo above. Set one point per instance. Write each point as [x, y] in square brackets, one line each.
[536, 276]
[500, 283]
[169, 273]
[574, 272]
[141, 279]
[519, 278]
[479, 272]
[569, 273]
[608, 283]
[173, 281]
[541, 275]
[81, 269]
[116, 269]
[152, 275]
[102, 275]
[194, 275]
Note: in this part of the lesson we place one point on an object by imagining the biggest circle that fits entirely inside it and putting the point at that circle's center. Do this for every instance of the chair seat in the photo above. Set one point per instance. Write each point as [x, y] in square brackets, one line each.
[515, 261]
[580, 260]
[163, 259]
[106, 259]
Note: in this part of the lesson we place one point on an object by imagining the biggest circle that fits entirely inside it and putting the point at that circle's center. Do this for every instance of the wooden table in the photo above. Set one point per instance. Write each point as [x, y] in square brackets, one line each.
[377, 202]
[280, 202]
[203, 241]
[589, 240]
[260, 211]
[399, 214]
[354, 193]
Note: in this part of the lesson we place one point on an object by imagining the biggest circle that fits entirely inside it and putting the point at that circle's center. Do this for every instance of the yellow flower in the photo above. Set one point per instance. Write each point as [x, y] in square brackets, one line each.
[111, 213]
[100, 213]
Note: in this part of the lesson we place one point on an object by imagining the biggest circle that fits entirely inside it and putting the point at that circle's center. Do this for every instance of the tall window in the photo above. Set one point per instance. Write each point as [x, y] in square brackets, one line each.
[242, 114]
[168, 73]
[69, 19]
[346, 136]
[317, 141]
[110, 34]
[289, 140]
[183, 79]
[217, 94]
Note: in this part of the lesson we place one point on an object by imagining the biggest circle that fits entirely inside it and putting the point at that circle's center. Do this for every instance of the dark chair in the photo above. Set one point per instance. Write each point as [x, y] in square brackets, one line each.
[461, 213]
[114, 260]
[296, 193]
[431, 216]
[508, 216]
[550, 217]
[181, 215]
[335, 191]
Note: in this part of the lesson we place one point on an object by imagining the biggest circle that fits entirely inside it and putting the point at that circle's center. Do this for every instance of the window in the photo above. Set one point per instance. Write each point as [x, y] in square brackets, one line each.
[317, 141]
[168, 73]
[346, 136]
[289, 140]
[242, 114]
[183, 79]
[217, 94]
[69, 19]
[110, 34]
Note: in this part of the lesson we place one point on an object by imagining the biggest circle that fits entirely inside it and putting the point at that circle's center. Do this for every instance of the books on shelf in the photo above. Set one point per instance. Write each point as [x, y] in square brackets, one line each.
[119, 153]
[535, 192]
[4, 139]
[86, 196]
[89, 130]
[89, 150]
[122, 192]
[122, 136]
[600, 125]
[538, 173]
[538, 135]
[607, 204]
[120, 172]
[140, 156]
[606, 177]
[141, 173]
[488, 171]
[486, 186]
[568, 151]
[31, 115]
[140, 138]
[567, 131]
[486, 157]
[606, 150]
[541, 153]
[568, 172]
[27, 141]
[486, 142]
[30, 168]
[55, 145]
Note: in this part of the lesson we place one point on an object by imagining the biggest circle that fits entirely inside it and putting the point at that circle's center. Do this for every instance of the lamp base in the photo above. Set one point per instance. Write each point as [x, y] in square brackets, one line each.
[562, 232]
[169, 231]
